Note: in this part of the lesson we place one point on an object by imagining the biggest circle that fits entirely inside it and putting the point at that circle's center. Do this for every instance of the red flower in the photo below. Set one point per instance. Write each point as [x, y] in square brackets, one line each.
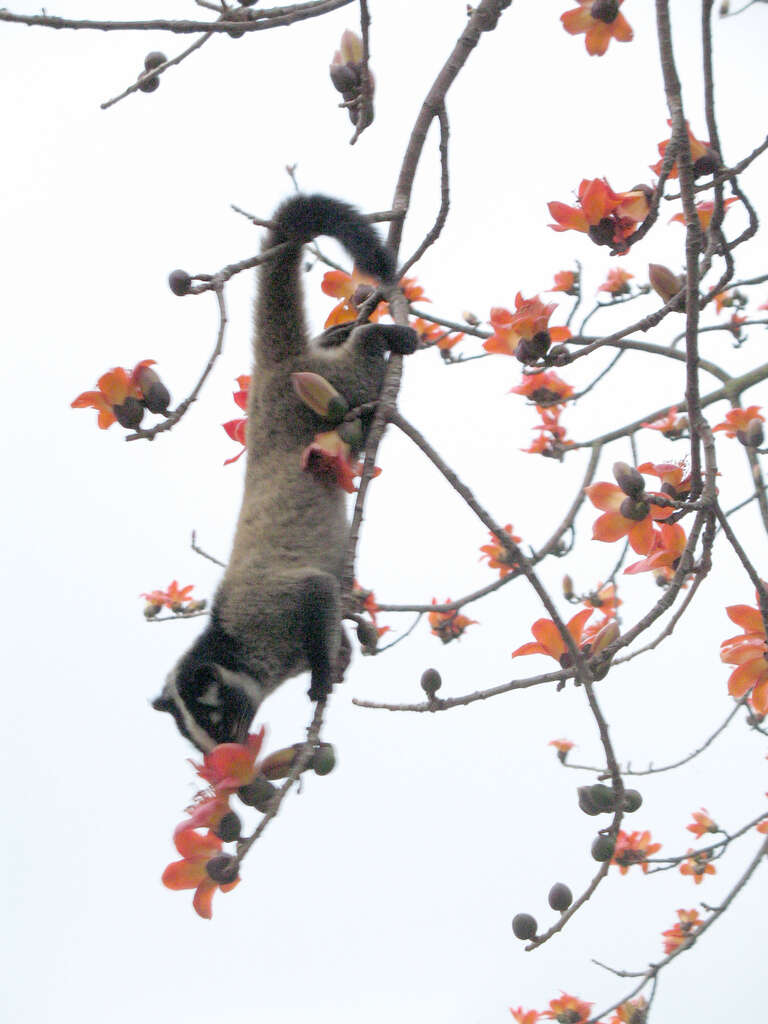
[206, 812]
[568, 1008]
[525, 1016]
[737, 420]
[174, 597]
[448, 625]
[705, 210]
[529, 323]
[329, 459]
[190, 872]
[608, 217]
[552, 447]
[604, 600]
[633, 848]
[345, 286]
[497, 555]
[675, 480]
[601, 21]
[680, 933]
[544, 389]
[231, 765]
[705, 160]
[698, 865]
[614, 524]
[236, 429]
[632, 1011]
[434, 334]
[617, 282]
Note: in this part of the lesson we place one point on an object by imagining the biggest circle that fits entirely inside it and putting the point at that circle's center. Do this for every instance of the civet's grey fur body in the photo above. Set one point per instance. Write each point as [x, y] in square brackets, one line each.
[277, 611]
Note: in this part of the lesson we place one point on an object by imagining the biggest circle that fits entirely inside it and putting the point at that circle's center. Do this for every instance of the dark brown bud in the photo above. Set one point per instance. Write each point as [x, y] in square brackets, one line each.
[602, 797]
[628, 479]
[633, 801]
[149, 84]
[229, 827]
[154, 60]
[567, 587]
[258, 793]
[603, 847]
[324, 759]
[602, 233]
[344, 77]
[560, 897]
[754, 434]
[351, 433]
[524, 926]
[130, 413]
[559, 355]
[223, 869]
[586, 803]
[179, 282]
[431, 681]
[361, 294]
[634, 510]
[368, 635]
[708, 163]
[158, 398]
[605, 10]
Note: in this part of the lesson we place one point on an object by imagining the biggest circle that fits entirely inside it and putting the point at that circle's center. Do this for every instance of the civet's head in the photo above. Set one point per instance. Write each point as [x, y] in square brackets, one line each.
[211, 702]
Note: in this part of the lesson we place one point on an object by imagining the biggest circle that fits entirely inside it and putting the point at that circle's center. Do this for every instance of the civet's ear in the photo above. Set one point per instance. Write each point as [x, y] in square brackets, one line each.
[162, 703]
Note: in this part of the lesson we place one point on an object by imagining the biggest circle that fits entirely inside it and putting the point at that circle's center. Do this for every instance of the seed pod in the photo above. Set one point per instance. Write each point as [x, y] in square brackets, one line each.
[257, 793]
[179, 282]
[603, 847]
[130, 413]
[229, 827]
[560, 897]
[628, 479]
[324, 759]
[524, 926]
[154, 60]
[431, 682]
[633, 800]
[222, 869]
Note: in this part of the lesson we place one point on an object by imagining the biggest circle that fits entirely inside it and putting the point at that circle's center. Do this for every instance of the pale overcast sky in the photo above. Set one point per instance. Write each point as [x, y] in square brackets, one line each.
[386, 890]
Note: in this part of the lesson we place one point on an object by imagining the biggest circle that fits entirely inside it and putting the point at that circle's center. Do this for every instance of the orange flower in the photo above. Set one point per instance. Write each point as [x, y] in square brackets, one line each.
[434, 334]
[705, 159]
[702, 823]
[231, 765]
[614, 524]
[748, 652]
[525, 1016]
[633, 848]
[737, 420]
[698, 865]
[114, 387]
[670, 425]
[497, 555]
[566, 281]
[705, 210]
[604, 599]
[568, 1008]
[190, 872]
[601, 21]
[668, 545]
[608, 217]
[526, 332]
[412, 290]
[675, 481]
[552, 447]
[448, 625]
[544, 389]
[617, 282]
[549, 640]
[352, 289]
[681, 931]
[633, 1011]
[562, 747]
[174, 597]
[207, 811]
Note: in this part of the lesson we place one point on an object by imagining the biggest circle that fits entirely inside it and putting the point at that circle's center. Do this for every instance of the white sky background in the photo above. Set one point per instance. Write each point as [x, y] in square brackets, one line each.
[387, 889]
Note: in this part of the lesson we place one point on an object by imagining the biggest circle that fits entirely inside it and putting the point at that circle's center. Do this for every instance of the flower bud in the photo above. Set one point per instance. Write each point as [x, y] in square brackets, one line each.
[628, 479]
[431, 682]
[351, 433]
[148, 84]
[602, 797]
[324, 759]
[524, 926]
[179, 282]
[154, 60]
[707, 163]
[345, 77]
[633, 801]
[279, 764]
[130, 413]
[567, 587]
[586, 803]
[664, 282]
[223, 869]
[320, 396]
[151, 610]
[156, 395]
[229, 827]
[368, 636]
[606, 636]
[560, 897]
[602, 848]
[559, 355]
[634, 510]
[258, 793]
[754, 434]
[361, 294]
[470, 318]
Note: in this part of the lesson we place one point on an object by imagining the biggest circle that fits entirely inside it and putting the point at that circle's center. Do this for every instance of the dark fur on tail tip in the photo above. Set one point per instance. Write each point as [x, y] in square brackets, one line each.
[306, 217]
